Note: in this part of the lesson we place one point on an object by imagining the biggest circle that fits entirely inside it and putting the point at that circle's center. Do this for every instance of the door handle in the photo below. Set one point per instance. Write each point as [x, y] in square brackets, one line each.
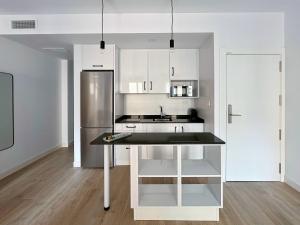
[235, 114]
[173, 71]
[230, 114]
[144, 85]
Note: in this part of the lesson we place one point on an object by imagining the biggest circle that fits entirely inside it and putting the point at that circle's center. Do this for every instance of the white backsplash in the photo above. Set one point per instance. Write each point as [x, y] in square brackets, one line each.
[148, 104]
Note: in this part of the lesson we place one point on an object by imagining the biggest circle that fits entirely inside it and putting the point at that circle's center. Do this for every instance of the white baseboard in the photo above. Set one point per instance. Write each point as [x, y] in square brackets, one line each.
[176, 213]
[292, 183]
[76, 164]
[65, 145]
[28, 162]
[122, 163]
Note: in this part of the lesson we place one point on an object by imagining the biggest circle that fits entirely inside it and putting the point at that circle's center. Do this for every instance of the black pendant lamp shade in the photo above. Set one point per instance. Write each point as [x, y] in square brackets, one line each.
[102, 43]
[172, 44]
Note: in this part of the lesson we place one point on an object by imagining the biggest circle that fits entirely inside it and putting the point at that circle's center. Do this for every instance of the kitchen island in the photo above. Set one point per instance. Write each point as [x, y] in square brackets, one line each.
[176, 188]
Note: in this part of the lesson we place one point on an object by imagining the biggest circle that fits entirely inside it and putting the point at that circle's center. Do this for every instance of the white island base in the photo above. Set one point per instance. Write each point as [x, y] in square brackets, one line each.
[176, 188]
[177, 213]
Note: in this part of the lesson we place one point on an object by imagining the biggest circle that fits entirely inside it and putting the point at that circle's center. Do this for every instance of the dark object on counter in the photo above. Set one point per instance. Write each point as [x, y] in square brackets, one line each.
[193, 114]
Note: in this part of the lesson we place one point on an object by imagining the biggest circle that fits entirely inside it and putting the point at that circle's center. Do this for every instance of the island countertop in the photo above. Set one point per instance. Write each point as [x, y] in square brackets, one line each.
[192, 138]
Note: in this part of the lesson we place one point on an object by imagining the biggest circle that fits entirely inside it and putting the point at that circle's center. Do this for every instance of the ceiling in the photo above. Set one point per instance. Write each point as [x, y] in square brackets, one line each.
[140, 6]
[61, 45]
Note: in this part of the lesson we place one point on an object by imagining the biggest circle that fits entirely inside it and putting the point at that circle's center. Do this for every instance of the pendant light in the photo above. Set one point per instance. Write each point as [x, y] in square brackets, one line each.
[102, 43]
[172, 40]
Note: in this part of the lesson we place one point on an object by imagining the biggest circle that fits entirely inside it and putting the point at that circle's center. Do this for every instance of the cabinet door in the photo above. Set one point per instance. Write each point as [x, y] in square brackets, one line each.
[191, 152]
[159, 127]
[158, 71]
[94, 58]
[184, 64]
[122, 152]
[159, 152]
[191, 127]
[133, 71]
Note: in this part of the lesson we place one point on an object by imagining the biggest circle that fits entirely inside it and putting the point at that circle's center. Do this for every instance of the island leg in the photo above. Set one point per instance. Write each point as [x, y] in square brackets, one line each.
[106, 177]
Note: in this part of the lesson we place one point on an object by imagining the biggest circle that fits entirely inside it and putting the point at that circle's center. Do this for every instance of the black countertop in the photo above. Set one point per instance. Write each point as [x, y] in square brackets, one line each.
[153, 119]
[163, 139]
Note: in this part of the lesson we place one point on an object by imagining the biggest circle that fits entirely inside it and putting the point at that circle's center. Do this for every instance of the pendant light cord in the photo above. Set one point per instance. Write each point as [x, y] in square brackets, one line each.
[102, 20]
[172, 9]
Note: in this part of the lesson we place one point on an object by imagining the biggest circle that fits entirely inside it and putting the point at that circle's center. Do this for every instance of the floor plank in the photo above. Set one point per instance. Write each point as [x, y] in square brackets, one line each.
[52, 192]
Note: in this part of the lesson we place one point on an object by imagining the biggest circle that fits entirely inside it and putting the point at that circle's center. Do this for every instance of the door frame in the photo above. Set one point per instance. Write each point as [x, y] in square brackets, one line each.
[223, 99]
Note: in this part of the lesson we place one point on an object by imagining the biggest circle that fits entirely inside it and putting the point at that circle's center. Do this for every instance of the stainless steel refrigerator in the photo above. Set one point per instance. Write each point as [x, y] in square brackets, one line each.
[97, 114]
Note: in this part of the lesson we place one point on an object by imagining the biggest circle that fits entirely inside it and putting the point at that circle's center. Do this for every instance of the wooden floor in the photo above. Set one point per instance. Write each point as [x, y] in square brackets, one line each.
[52, 192]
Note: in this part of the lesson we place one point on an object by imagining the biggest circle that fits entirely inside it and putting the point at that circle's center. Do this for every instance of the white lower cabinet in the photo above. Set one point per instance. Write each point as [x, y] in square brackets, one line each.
[168, 153]
[157, 152]
[122, 153]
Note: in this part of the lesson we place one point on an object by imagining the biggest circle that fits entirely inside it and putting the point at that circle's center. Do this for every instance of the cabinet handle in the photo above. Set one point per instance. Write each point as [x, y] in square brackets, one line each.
[130, 127]
[175, 129]
[144, 85]
[128, 148]
[182, 129]
[173, 71]
[97, 65]
[151, 85]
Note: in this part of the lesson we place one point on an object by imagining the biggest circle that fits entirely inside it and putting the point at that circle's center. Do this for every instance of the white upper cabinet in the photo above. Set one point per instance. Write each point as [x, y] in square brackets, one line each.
[133, 71]
[158, 71]
[184, 64]
[94, 58]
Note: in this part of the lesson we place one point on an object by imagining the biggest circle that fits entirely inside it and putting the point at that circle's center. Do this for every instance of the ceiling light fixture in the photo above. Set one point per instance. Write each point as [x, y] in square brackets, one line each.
[172, 40]
[102, 43]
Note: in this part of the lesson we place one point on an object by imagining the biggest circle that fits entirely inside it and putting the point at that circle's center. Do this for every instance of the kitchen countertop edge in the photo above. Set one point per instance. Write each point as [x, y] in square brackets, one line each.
[149, 119]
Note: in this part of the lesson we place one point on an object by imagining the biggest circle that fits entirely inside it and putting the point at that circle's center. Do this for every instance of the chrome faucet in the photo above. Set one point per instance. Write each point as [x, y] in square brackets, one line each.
[161, 112]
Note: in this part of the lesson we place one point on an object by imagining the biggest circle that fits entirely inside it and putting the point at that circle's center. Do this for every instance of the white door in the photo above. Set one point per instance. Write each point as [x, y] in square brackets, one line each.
[158, 67]
[253, 145]
[184, 64]
[133, 71]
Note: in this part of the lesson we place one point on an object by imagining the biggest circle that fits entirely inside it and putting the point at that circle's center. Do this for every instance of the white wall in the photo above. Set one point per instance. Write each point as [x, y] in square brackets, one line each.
[70, 102]
[36, 102]
[67, 102]
[205, 103]
[292, 40]
[148, 104]
[64, 102]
